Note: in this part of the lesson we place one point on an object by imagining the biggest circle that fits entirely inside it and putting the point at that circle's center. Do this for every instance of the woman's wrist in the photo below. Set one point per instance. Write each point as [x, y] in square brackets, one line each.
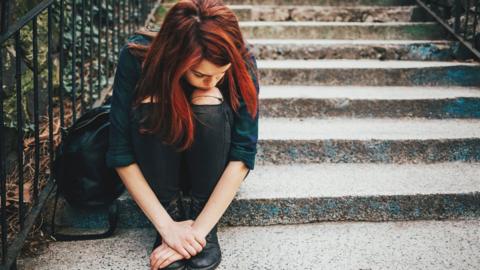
[201, 231]
[165, 226]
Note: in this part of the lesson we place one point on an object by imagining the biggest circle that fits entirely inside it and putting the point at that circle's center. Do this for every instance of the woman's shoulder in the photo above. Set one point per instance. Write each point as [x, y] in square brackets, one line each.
[142, 36]
[129, 59]
[132, 53]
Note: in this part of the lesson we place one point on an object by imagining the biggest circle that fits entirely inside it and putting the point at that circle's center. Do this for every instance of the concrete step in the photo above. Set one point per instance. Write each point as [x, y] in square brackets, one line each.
[368, 73]
[367, 140]
[431, 50]
[369, 101]
[343, 30]
[339, 3]
[326, 13]
[326, 245]
[329, 192]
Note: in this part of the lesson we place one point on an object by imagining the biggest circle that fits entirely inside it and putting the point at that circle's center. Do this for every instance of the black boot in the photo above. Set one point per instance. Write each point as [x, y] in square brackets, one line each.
[176, 211]
[210, 256]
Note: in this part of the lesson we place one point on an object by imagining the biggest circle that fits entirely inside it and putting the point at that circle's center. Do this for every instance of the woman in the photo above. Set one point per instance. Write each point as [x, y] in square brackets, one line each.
[184, 117]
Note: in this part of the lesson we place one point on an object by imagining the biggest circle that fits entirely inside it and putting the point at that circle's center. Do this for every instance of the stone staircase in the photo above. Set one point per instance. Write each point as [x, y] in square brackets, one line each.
[370, 119]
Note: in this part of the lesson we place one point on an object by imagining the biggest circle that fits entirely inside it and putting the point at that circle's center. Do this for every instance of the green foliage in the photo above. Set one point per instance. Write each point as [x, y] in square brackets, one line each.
[91, 30]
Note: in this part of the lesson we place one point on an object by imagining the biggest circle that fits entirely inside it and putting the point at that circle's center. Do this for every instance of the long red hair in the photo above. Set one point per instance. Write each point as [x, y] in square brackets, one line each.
[191, 31]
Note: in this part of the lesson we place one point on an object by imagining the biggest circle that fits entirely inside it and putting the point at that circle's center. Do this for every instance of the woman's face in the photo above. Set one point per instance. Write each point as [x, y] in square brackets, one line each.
[206, 74]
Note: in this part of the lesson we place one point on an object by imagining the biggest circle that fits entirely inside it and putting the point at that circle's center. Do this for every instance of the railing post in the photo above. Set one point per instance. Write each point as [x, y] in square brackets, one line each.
[5, 11]
[457, 13]
[112, 19]
[3, 180]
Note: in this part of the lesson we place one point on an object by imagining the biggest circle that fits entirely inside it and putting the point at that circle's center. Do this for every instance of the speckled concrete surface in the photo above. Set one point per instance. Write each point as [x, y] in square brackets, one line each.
[440, 50]
[368, 73]
[339, 245]
[323, 13]
[298, 101]
[340, 30]
[365, 129]
[369, 192]
[351, 64]
[321, 2]
[343, 30]
[367, 151]
[366, 92]
[334, 180]
[325, 42]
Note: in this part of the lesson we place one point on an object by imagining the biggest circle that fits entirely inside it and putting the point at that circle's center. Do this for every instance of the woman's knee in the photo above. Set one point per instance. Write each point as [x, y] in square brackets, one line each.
[207, 97]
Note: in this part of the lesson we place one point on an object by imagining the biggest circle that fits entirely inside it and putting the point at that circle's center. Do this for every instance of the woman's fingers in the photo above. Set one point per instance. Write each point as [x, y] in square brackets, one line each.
[198, 247]
[180, 249]
[191, 249]
[155, 252]
[201, 240]
[163, 258]
[173, 258]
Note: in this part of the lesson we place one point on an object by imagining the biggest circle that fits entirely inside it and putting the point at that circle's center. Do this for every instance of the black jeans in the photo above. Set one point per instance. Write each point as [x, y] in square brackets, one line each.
[195, 170]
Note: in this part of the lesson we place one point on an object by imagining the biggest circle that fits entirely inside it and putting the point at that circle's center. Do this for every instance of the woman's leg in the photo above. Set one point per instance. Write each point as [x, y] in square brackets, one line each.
[160, 165]
[159, 162]
[205, 161]
[207, 158]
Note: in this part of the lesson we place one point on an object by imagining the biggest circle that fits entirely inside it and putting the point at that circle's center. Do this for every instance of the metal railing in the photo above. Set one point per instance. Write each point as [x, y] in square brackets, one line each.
[82, 40]
[459, 17]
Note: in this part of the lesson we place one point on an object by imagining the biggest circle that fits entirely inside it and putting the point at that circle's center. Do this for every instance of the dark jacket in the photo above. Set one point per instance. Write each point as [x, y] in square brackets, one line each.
[120, 153]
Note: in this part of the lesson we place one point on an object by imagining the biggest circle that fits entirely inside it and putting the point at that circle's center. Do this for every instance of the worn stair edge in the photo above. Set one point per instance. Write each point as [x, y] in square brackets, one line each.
[327, 245]
[329, 13]
[434, 50]
[368, 72]
[367, 140]
[318, 2]
[368, 102]
[342, 30]
[335, 192]
[340, 128]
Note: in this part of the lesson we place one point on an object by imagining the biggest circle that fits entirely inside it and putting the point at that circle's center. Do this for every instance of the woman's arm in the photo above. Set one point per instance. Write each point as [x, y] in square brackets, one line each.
[242, 158]
[146, 199]
[221, 197]
[219, 200]
[143, 195]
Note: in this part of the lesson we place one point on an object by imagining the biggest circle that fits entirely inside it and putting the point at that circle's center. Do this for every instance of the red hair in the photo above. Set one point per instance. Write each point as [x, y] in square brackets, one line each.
[192, 30]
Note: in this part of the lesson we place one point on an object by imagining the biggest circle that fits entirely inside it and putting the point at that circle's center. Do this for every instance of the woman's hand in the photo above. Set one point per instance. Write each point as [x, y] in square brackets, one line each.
[162, 256]
[185, 240]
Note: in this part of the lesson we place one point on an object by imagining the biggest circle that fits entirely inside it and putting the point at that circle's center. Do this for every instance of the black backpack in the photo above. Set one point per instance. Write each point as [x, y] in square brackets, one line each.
[81, 173]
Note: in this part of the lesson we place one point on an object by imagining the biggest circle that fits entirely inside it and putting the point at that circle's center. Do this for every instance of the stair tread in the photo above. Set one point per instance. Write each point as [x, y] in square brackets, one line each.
[342, 128]
[336, 180]
[338, 245]
[323, 23]
[329, 180]
[357, 64]
[307, 42]
[247, 6]
[366, 92]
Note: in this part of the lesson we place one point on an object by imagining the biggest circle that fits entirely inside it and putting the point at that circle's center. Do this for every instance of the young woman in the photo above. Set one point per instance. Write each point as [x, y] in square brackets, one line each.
[184, 118]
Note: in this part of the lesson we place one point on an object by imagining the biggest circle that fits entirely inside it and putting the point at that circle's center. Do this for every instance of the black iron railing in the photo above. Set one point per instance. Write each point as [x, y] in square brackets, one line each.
[81, 41]
[459, 17]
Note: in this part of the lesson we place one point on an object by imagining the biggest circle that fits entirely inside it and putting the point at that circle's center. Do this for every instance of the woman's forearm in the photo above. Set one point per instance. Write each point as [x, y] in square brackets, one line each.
[133, 179]
[221, 197]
